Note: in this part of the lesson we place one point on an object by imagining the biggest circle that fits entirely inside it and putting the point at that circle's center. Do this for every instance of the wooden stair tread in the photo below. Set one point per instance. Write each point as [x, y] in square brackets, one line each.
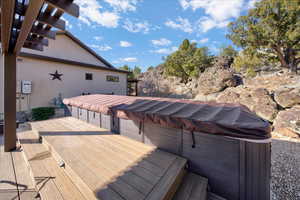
[213, 196]
[51, 182]
[109, 166]
[169, 183]
[193, 187]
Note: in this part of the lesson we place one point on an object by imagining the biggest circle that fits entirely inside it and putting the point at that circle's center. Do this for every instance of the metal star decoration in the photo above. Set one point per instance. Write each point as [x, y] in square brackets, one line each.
[56, 75]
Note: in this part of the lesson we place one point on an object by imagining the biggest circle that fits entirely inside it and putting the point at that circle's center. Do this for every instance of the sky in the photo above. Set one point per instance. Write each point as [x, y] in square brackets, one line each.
[142, 32]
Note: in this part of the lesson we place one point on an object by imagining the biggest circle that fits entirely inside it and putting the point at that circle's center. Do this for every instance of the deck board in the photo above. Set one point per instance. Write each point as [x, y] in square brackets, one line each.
[111, 166]
[193, 187]
[51, 182]
[15, 181]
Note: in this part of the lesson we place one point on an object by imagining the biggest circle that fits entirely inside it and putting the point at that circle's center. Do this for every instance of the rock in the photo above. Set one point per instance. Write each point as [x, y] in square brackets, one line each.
[288, 96]
[273, 81]
[223, 62]
[287, 122]
[258, 100]
[215, 79]
[210, 97]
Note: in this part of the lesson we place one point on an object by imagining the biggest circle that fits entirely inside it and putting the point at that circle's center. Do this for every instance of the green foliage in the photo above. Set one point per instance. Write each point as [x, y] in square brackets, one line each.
[42, 113]
[250, 72]
[247, 62]
[271, 29]
[135, 72]
[187, 61]
[150, 68]
[127, 68]
[228, 51]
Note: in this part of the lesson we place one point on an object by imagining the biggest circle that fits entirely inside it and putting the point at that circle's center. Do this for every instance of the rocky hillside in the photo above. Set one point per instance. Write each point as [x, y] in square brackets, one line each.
[273, 95]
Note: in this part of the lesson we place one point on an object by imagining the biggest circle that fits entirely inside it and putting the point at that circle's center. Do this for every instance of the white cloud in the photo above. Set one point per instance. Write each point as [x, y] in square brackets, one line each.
[90, 12]
[125, 44]
[204, 40]
[161, 42]
[129, 59]
[123, 5]
[136, 27]
[181, 24]
[217, 12]
[98, 38]
[101, 47]
[165, 50]
[205, 24]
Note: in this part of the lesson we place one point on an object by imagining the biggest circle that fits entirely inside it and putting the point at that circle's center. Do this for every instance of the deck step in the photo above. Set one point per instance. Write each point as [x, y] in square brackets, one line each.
[50, 181]
[193, 187]
[213, 196]
[109, 166]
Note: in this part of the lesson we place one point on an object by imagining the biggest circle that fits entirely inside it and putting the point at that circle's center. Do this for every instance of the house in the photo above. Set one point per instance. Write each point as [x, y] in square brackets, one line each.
[66, 68]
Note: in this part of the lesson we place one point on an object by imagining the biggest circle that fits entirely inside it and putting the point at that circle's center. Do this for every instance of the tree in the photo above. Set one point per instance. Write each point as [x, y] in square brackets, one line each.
[136, 71]
[228, 51]
[187, 61]
[150, 68]
[271, 29]
[127, 68]
[247, 62]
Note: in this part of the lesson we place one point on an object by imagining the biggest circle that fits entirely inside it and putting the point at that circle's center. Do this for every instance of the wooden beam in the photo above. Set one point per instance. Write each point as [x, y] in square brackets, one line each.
[31, 14]
[44, 18]
[10, 82]
[37, 30]
[42, 32]
[20, 9]
[37, 40]
[33, 46]
[52, 21]
[33, 39]
[66, 6]
[7, 16]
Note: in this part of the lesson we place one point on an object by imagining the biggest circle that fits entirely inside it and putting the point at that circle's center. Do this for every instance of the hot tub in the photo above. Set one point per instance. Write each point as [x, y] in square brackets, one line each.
[226, 143]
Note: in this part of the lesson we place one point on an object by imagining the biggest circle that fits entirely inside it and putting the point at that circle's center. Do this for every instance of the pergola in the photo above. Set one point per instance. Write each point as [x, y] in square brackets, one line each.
[27, 24]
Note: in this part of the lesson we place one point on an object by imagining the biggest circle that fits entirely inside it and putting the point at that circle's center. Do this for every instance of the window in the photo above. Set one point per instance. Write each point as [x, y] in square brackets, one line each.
[112, 78]
[88, 76]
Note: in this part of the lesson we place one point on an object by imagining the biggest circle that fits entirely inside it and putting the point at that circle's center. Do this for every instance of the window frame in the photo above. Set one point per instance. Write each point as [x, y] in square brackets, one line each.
[88, 76]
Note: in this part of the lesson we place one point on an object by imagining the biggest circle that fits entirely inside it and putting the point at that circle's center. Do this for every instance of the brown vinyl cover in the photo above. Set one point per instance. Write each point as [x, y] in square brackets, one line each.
[232, 120]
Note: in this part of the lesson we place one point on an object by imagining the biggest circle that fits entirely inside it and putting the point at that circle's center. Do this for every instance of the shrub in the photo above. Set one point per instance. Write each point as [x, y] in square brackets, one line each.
[42, 113]
[247, 63]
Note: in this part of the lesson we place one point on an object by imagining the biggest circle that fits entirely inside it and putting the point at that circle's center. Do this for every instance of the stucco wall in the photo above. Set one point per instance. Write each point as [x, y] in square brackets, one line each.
[65, 48]
[73, 82]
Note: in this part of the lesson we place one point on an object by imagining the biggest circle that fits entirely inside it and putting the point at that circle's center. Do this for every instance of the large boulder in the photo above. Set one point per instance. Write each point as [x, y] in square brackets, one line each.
[273, 81]
[215, 79]
[288, 96]
[287, 122]
[258, 100]
[209, 97]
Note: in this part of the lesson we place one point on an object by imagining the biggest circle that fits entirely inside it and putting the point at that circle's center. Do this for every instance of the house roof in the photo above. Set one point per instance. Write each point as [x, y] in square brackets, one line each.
[107, 66]
[81, 44]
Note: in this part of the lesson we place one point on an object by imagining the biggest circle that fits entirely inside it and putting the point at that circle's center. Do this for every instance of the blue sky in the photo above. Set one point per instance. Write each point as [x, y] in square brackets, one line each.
[142, 32]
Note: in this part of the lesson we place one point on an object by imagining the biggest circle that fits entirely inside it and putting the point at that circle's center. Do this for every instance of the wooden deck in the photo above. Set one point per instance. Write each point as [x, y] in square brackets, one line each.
[15, 181]
[96, 164]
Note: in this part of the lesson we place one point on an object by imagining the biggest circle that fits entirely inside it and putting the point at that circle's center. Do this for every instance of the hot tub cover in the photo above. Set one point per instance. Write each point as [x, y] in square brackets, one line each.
[232, 120]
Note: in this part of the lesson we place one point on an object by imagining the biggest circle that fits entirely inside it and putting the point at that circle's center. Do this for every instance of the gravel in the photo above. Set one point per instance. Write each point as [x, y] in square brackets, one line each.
[285, 177]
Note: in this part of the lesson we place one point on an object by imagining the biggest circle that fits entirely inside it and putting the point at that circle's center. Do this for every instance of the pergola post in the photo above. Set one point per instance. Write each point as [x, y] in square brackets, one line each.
[10, 81]
[24, 24]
